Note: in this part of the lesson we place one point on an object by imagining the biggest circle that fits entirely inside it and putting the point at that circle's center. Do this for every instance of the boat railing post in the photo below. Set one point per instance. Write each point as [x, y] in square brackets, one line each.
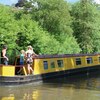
[25, 72]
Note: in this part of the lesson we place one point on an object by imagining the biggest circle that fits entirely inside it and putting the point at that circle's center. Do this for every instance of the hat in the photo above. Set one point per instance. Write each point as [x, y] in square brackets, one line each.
[29, 47]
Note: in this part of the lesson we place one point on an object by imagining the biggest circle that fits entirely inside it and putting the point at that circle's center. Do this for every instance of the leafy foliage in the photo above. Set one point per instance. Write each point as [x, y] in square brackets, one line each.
[54, 17]
[85, 20]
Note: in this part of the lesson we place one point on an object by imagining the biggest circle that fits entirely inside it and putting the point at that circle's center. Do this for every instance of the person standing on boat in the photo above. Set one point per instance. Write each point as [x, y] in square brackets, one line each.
[4, 58]
[29, 58]
[22, 57]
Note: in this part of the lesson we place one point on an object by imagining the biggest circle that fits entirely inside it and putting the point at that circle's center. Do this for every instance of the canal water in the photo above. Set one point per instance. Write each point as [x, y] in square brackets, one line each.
[77, 87]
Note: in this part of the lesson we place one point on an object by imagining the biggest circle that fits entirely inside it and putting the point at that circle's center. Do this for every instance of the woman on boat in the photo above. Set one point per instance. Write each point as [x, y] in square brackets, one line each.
[29, 58]
[4, 58]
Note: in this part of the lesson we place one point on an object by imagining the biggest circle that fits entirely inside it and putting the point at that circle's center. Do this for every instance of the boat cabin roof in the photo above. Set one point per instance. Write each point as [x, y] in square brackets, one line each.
[64, 56]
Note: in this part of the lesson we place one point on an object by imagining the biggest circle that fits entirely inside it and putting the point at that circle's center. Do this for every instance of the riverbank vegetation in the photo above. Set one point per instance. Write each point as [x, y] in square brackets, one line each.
[51, 27]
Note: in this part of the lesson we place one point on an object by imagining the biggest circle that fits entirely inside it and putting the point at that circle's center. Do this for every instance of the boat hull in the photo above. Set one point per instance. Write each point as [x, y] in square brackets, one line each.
[23, 79]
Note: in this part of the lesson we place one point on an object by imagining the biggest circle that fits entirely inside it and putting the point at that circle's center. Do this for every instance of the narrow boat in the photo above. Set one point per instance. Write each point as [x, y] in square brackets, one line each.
[49, 66]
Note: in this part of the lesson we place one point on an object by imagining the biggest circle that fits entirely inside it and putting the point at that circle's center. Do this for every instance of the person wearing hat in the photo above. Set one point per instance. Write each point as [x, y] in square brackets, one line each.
[29, 58]
[4, 58]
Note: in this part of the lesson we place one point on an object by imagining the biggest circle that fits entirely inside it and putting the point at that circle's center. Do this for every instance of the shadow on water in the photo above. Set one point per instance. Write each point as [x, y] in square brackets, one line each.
[89, 81]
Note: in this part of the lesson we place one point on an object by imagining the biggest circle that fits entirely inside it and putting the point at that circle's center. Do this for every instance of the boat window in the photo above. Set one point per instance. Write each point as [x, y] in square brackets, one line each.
[78, 61]
[45, 63]
[99, 59]
[89, 60]
[52, 64]
[60, 63]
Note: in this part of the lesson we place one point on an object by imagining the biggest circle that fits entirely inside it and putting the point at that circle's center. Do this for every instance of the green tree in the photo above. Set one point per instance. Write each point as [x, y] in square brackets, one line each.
[54, 17]
[86, 25]
[8, 29]
[30, 33]
[8, 26]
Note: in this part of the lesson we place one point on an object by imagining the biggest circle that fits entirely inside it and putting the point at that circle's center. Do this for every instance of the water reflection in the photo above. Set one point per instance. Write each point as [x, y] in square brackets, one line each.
[71, 88]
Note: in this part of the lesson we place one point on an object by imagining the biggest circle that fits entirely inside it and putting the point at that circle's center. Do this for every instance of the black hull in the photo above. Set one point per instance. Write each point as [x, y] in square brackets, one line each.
[21, 79]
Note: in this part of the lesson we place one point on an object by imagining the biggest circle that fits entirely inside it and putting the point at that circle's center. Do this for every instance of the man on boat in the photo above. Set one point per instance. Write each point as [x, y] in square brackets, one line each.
[4, 58]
